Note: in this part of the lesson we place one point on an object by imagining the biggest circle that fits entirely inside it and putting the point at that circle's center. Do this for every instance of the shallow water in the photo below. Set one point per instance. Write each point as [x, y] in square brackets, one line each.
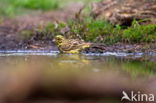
[133, 64]
[121, 62]
[56, 71]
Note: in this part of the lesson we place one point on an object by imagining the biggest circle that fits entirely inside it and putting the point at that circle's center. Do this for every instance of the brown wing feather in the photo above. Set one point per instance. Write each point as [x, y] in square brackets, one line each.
[71, 45]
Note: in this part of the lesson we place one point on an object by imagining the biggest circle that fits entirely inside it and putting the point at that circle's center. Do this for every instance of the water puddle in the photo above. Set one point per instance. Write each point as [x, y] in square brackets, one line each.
[125, 62]
[71, 73]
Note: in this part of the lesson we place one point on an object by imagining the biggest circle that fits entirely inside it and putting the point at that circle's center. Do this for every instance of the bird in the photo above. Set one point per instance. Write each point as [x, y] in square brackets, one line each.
[70, 46]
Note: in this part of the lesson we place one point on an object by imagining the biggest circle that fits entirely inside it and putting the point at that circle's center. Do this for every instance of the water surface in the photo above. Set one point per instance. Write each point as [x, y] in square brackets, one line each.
[86, 72]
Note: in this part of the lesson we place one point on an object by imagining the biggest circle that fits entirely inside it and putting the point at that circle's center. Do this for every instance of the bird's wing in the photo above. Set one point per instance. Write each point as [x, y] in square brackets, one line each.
[70, 45]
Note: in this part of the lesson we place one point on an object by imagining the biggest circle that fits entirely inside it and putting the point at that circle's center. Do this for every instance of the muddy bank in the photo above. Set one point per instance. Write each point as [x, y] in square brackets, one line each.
[39, 41]
[9, 40]
[23, 33]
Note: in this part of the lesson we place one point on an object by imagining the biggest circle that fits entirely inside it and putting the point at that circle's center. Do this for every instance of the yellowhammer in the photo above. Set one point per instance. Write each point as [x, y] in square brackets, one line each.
[71, 46]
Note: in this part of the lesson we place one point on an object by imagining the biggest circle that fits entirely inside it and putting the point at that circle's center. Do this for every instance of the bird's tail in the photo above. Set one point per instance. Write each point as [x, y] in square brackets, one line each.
[95, 48]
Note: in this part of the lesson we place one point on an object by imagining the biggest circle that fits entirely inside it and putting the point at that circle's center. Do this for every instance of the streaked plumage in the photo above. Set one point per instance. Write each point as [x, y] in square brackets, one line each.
[70, 45]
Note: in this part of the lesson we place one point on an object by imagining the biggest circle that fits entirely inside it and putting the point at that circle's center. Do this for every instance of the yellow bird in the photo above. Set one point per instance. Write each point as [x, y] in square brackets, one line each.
[71, 46]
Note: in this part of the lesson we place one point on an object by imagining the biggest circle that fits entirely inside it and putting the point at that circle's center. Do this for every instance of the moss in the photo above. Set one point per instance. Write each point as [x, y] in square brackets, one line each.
[140, 33]
[99, 31]
[102, 31]
[95, 31]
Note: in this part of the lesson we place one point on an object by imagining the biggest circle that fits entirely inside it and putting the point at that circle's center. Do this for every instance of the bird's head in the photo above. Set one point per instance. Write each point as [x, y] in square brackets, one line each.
[58, 39]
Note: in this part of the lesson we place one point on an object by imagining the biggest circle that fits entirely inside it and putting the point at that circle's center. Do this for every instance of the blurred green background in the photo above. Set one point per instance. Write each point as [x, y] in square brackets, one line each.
[18, 7]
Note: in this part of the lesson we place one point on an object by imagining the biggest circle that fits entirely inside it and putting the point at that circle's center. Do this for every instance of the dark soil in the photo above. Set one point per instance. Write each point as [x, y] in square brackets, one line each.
[122, 47]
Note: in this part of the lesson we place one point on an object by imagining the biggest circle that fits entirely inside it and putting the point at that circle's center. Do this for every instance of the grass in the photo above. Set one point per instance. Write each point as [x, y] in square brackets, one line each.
[36, 4]
[104, 32]
[91, 30]
[100, 31]
[140, 33]
[11, 8]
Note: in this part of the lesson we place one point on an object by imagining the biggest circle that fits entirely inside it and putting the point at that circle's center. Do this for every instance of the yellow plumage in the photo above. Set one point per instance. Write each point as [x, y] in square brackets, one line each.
[71, 46]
